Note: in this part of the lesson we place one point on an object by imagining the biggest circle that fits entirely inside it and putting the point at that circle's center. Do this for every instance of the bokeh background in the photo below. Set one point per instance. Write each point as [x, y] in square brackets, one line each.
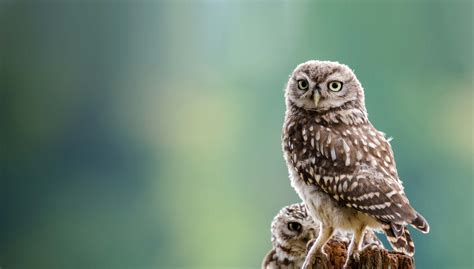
[147, 134]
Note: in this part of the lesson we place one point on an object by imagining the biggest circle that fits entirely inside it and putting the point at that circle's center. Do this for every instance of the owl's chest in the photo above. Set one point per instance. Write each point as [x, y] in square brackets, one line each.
[322, 148]
[320, 205]
[332, 150]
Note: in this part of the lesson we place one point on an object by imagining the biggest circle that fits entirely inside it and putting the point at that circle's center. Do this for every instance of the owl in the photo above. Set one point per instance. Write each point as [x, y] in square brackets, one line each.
[339, 164]
[293, 231]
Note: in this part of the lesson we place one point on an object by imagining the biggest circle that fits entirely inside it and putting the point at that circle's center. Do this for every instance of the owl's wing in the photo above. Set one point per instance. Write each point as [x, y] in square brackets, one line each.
[366, 190]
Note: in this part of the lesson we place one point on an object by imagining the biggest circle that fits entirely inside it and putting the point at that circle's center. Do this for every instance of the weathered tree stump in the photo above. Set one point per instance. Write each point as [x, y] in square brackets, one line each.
[369, 259]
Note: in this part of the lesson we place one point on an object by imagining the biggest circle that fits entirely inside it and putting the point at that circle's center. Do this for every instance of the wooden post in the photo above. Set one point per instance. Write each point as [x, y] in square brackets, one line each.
[369, 259]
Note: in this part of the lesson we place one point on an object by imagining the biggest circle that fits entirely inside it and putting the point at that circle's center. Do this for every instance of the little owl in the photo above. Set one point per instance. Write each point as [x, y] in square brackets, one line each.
[339, 164]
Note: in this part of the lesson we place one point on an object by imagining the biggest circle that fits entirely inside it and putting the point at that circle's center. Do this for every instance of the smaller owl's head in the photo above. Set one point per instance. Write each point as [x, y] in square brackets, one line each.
[323, 85]
[292, 229]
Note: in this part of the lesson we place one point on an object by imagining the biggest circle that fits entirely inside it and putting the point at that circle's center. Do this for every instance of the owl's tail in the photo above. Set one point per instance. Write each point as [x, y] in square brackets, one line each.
[420, 223]
[400, 239]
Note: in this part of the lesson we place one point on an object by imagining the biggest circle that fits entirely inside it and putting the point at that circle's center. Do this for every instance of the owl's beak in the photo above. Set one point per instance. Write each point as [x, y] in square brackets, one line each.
[316, 97]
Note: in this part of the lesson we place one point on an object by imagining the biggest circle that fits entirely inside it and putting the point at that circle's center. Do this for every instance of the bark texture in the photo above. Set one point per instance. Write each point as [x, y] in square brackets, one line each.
[369, 259]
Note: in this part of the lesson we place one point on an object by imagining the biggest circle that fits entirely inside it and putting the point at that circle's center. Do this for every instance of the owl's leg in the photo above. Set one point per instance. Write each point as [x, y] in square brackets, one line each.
[325, 234]
[355, 245]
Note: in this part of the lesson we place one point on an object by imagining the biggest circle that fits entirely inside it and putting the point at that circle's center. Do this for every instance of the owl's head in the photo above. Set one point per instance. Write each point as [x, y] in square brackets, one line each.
[292, 229]
[322, 86]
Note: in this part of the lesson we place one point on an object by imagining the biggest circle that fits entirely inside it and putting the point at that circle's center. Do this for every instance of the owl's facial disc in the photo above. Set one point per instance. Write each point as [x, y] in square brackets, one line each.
[322, 85]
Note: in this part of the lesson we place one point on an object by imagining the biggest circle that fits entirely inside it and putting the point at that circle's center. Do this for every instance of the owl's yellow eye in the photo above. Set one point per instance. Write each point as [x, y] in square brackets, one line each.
[303, 84]
[294, 226]
[335, 86]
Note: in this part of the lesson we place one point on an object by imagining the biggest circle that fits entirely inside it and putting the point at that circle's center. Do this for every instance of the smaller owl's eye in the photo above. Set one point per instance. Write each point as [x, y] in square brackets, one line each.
[335, 86]
[294, 226]
[303, 84]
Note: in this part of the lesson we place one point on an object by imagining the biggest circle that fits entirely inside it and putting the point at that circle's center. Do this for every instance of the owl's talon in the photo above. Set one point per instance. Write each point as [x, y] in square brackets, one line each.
[353, 258]
[356, 257]
[324, 257]
[313, 258]
[371, 246]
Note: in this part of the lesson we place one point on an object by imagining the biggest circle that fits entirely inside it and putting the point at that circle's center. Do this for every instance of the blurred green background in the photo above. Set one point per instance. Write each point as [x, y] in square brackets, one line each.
[147, 134]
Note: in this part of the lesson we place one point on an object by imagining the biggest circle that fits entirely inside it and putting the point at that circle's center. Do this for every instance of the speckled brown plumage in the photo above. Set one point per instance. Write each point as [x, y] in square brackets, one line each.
[339, 164]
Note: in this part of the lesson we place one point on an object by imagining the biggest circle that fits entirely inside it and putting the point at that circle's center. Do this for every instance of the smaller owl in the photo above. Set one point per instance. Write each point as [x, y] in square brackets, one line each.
[291, 230]
[293, 233]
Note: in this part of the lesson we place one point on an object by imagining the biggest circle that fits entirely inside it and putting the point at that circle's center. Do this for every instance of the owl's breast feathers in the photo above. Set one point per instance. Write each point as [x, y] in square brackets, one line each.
[352, 163]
